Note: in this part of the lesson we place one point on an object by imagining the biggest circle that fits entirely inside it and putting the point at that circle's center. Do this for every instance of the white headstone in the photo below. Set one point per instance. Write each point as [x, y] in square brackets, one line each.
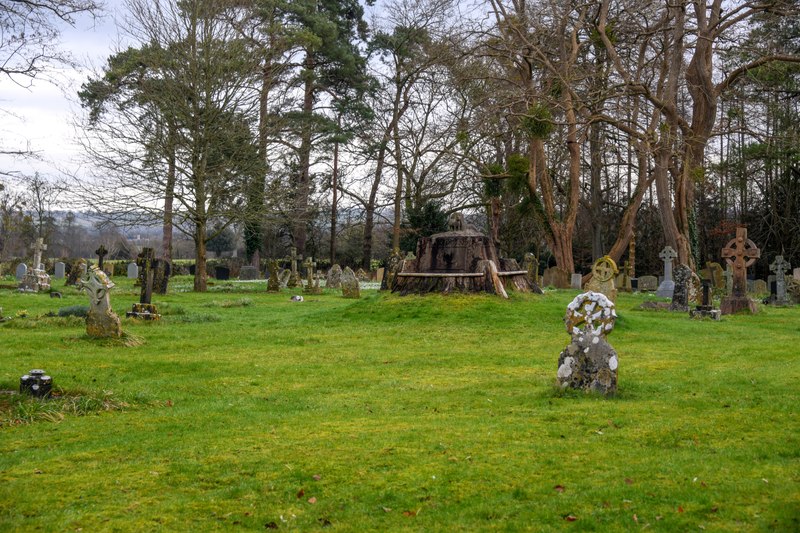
[667, 286]
[133, 270]
[576, 280]
[60, 269]
[22, 269]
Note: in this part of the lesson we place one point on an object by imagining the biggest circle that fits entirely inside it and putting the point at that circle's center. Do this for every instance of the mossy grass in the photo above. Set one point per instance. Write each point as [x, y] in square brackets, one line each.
[388, 413]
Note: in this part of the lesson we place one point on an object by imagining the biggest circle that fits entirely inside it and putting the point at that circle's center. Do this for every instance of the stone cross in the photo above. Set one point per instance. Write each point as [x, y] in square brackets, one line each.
[294, 258]
[145, 263]
[310, 264]
[780, 266]
[740, 253]
[667, 255]
[101, 253]
[38, 247]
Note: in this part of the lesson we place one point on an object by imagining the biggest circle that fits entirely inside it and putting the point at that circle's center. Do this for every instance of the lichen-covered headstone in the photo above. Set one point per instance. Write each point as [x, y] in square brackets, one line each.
[248, 273]
[362, 275]
[740, 253]
[680, 294]
[284, 277]
[602, 281]
[648, 283]
[334, 278]
[350, 288]
[101, 321]
[780, 266]
[589, 363]
[274, 282]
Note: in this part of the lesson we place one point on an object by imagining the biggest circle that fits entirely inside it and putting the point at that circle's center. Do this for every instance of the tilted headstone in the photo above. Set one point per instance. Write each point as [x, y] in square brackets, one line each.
[603, 272]
[60, 270]
[680, 293]
[133, 271]
[334, 278]
[350, 286]
[780, 266]
[740, 253]
[668, 285]
[284, 277]
[648, 283]
[101, 321]
[22, 269]
[531, 264]
[589, 363]
[248, 273]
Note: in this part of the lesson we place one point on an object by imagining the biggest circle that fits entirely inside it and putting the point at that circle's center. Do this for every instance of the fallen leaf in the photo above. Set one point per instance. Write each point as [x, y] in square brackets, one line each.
[37, 471]
[410, 513]
[271, 525]
[714, 509]
[312, 500]
[680, 508]
[570, 518]
[628, 481]
[386, 509]
[559, 488]
[317, 477]
[169, 403]
[659, 517]
[301, 493]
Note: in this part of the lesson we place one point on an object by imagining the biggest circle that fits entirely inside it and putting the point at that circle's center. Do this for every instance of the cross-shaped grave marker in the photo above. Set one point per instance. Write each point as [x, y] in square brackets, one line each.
[740, 253]
[667, 286]
[101, 253]
[38, 247]
[779, 267]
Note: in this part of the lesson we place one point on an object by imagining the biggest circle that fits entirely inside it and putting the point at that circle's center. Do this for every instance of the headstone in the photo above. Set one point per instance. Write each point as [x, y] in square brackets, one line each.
[556, 277]
[22, 269]
[294, 279]
[796, 274]
[622, 281]
[648, 283]
[76, 272]
[363, 275]
[667, 286]
[379, 274]
[680, 293]
[531, 264]
[780, 267]
[334, 278]
[603, 272]
[133, 270]
[145, 309]
[60, 270]
[273, 282]
[740, 253]
[350, 287]
[101, 253]
[248, 273]
[101, 321]
[576, 280]
[705, 307]
[728, 274]
[393, 266]
[589, 363]
[222, 272]
[715, 274]
[760, 287]
[36, 279]
[284, 277]
[312, 282]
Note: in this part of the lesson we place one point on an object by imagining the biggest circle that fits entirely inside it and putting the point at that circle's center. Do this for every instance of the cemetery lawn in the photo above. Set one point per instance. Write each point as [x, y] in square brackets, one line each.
[244, 410]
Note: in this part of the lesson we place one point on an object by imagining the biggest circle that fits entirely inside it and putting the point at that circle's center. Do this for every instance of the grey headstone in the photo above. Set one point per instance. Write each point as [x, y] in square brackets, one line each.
[22, 269]
[334, 279]
[680, 294]
[667, 286]
[760, 287]
[796, 274]
[576, 280]
[60, 270]
[248, 273]
[133, 270]
[350, 287]
[648, 283]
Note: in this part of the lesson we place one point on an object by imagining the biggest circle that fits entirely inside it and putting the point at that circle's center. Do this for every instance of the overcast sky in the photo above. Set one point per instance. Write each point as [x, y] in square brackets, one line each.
[41, 116]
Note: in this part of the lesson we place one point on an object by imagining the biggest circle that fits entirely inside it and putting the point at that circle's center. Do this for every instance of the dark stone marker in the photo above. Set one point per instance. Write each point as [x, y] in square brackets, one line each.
[145, 308]
[222, 273]
[101, 254]
[192, 269]
[680, 295]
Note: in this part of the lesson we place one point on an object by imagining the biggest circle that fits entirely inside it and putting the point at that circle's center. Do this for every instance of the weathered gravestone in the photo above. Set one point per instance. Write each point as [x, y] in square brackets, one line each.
[350, 287]
[362, 275]
[715, 274]
[22, 269]
[312, 282]
[760, 287]
[60, 270]
[273, 282]
[556, 277]
[76, 272]
[334, 278]
[589, 363]
[531, 264]
[740, 253]
[623, 281]
[101, 321]
[796, 274]
[705, 307]
[284, 277]
[602, 281]
[576, 280]
[394, 265]
[780, 267]
[681, 288]
[294, 278]
[133, 271]
[248, 273]
[36, 279]
[145, 309]
[648, 283]
[379, 274]
[668, 285]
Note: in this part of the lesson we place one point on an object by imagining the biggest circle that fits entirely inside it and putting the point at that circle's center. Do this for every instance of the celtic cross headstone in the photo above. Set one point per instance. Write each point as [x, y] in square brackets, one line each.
[740, 253]
[780, 266]
[666, 288]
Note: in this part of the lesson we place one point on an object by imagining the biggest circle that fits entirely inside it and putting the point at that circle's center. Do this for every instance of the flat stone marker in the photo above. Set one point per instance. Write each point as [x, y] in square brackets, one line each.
[133, 270]
[60, 270]
[668, 285]
[22, 269]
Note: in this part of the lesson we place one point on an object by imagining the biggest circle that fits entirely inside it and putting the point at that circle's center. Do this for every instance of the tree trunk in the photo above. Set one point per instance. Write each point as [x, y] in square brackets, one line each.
[200, 276]
[303, 179]
[169, 197]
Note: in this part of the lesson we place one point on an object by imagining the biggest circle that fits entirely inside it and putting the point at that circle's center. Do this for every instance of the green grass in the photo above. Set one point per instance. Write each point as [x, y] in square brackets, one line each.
[389, 413]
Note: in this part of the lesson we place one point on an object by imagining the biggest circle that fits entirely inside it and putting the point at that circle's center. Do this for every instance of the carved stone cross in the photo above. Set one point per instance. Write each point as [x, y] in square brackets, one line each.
[780, 266]
[667, 255]
[101, 253]
[740, 253]
[294, 258]
[38, 247]
[145, 262]
[310, 264]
